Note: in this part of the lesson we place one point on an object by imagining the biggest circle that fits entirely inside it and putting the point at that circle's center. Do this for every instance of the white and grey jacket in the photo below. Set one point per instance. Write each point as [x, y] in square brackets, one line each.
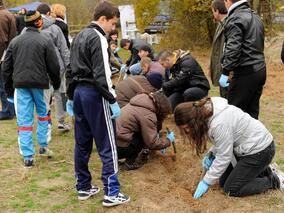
[233, 132]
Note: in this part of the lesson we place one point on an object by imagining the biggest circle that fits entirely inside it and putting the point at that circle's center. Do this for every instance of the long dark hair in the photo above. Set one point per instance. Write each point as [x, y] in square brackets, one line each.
[195, 115]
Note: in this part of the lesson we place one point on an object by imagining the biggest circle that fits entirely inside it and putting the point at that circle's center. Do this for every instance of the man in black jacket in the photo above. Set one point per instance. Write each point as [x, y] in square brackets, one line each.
[134, 45]
[89, 85]
[185, 79]
[243, 54]
[29, 66]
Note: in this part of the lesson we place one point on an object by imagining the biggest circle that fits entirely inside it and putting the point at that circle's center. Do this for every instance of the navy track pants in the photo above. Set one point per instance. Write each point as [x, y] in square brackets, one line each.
[93, 122]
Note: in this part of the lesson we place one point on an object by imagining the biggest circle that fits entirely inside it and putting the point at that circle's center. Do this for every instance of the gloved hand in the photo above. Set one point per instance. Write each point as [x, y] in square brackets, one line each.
[171, 136]
[10, 100]
[123, 68]
[116, 50]
[125, 77]
[201, 189]
[207, 162]
[69, 107]
[163, 151]
[115, 109]
[223, 81]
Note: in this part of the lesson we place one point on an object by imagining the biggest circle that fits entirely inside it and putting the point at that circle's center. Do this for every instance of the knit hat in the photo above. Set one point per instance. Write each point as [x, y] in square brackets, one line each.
[32, 16]
[155, 79]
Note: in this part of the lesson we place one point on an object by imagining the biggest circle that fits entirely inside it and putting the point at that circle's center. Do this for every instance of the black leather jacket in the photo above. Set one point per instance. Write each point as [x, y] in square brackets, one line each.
[89, 61]
[244, 41]
[184, 74]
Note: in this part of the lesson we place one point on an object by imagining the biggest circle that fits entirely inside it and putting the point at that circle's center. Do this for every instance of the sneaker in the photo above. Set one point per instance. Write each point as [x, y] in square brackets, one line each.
[64, 127]
[115, 200]
[276, 170]
[45, 152]
[86, 194]
[29, 162]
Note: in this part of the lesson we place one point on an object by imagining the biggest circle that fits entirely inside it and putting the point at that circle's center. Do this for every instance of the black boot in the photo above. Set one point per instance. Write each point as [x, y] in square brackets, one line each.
[131, 164]
[144, 156]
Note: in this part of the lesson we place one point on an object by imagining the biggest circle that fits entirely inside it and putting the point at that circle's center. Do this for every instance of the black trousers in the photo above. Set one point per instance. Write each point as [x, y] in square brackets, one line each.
[190, 94]
[245, 90]
[134, 148]
[251, 175]
[223, 92]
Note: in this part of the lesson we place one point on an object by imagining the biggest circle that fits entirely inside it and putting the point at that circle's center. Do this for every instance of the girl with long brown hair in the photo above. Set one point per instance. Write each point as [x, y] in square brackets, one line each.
[242, 147]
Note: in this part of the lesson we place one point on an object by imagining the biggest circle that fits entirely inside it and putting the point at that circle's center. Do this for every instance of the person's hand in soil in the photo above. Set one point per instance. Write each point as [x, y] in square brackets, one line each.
[171, 136]
[201, 189]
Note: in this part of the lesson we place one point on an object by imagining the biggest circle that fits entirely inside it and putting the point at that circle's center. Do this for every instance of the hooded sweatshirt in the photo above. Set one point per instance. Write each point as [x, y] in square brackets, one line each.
[233, 132]
[139, 116]
[52, 31]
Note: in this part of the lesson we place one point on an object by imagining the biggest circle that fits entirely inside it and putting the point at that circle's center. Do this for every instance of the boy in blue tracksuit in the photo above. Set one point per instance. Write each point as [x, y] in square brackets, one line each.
[89, 86]
[29, 66]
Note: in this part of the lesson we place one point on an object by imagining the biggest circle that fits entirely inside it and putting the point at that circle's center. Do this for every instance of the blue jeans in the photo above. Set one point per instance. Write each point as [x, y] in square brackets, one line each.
[8, 110]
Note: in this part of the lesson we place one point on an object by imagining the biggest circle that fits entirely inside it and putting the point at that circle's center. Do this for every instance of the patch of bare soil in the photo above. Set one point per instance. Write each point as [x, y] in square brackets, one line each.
[49, 183]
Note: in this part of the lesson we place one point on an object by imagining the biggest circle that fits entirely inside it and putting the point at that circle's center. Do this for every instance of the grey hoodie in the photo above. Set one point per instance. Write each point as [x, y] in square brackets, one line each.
[53, 32]
[233, 132]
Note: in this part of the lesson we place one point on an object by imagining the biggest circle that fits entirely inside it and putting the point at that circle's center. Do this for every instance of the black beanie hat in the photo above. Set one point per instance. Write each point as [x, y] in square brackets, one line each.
[155, 79]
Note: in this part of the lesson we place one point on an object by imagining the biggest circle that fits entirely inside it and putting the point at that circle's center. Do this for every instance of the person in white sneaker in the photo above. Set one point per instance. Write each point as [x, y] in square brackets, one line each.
[95, 108]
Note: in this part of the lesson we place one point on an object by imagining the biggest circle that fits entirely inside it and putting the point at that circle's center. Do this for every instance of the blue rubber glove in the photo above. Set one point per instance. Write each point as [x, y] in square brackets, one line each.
[223, 81]
[123, 68]
[207, 162]
[69, 108]
[116, 50]
[125, 77]
[115, 109]
[201, 189]
[171, 136]
[10, 100]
